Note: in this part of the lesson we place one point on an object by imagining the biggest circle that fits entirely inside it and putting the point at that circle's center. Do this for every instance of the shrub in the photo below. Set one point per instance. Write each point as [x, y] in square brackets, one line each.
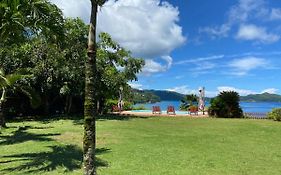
[141, 107]
[188, 101]
[275, 114]
[226, 105]
[110, 103]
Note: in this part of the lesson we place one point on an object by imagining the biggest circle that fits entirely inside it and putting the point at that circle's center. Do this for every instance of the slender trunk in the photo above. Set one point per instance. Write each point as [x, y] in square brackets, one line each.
[2, 115]
[46, 104]
[69, 104]
[101, 105]
[90, 109]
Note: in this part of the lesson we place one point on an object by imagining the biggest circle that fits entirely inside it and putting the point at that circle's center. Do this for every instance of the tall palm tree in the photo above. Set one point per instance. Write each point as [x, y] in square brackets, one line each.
[91, 94]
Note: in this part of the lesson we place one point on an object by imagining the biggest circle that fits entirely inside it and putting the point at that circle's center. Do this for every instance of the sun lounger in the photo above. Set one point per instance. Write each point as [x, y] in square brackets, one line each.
[115, 108]
[193, 110]
[171, 110]
[156, 110]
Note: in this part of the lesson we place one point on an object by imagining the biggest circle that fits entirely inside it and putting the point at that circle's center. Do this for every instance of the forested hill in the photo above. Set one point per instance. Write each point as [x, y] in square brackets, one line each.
[265, 97]
[152, 96]
[167, 95]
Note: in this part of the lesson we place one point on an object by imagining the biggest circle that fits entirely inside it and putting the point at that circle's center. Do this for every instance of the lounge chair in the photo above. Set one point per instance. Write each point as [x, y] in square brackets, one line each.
[156, 110]
[115, 108]
[171, 110]
[193, 110]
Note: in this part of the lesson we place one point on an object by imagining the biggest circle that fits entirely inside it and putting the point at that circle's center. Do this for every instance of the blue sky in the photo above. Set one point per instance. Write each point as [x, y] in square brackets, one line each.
[219, 44]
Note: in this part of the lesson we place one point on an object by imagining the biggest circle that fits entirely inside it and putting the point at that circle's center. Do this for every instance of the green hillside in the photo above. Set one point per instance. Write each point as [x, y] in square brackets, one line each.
[265, 97]
[152, 96]
[167, 95]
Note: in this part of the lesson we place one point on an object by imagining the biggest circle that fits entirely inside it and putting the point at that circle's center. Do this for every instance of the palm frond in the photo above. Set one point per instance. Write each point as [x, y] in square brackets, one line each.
[13, 78]
[34, 97]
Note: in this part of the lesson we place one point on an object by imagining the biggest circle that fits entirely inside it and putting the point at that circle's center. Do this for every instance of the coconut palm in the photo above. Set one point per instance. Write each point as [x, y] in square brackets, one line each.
[91, 94]
[9, 81]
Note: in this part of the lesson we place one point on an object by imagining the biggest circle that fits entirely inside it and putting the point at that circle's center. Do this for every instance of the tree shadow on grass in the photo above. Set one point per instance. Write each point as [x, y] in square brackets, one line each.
[21, 135]
[69, 157]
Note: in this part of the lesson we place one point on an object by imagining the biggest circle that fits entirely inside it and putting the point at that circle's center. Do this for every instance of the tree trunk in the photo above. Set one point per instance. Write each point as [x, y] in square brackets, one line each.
[68, 104]
[90, 109]
[2, 116]
[46, 104]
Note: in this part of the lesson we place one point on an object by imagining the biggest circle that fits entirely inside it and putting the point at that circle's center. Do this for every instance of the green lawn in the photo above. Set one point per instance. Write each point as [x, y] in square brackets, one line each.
[145, 146]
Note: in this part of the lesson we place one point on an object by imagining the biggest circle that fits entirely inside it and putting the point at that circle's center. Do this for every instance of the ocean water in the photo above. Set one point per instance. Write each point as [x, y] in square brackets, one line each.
[261, 107]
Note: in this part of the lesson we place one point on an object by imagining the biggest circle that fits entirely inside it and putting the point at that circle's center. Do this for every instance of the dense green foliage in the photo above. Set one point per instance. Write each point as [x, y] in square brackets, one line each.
[58, 70]
[265, 97]
[188, 101]
[10, 82]
[136, 146]
[275, 114]
[226, 105]
[22, 19]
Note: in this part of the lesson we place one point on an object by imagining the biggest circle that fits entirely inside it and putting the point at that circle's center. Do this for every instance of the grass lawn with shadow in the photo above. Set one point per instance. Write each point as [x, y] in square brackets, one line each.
[138, 146]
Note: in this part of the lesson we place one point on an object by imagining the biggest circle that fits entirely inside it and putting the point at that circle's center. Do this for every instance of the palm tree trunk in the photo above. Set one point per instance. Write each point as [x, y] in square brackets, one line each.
[90, 106]
[2, 115]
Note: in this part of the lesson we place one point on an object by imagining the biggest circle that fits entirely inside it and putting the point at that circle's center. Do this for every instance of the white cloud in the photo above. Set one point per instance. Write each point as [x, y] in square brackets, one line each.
[186, 90]
[275, 14]
[74, 8]
[151, 66]
[149, 29]
[200, 59]
[246, 11]
[136, 85]
[216, 31]
[243, 66]
[252, 32]
[169, 61]
[270, 90]
[241, 92]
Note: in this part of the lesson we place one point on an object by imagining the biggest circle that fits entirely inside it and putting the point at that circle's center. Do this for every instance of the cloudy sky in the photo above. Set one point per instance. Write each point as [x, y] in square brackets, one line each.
[219, 44]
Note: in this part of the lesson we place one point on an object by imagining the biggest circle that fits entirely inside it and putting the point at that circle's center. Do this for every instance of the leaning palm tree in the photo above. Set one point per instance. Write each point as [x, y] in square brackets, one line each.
[91, 94]
[10, 81]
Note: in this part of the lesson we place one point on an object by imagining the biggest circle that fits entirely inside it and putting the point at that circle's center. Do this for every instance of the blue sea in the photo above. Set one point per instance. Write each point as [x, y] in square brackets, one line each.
[260, 107]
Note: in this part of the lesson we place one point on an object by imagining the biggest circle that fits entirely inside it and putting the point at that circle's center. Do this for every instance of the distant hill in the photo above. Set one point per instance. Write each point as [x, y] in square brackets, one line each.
[167, 95]
[144, 96]
[265, 97]
[152, 96]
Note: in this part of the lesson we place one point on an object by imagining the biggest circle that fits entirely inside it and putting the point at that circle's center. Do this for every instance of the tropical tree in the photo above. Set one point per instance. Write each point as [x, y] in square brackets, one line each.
[115, 67]
[21, 19]
[8, 82]
[188, 101]
[91, 94]
[226, 105]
